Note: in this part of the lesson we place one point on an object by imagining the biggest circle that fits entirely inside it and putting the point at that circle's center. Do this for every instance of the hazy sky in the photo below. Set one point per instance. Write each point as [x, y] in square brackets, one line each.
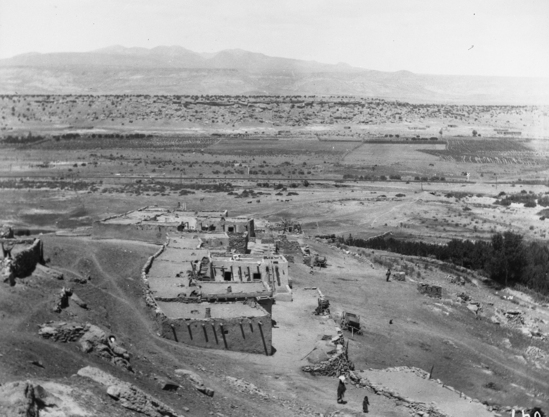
[477, 37]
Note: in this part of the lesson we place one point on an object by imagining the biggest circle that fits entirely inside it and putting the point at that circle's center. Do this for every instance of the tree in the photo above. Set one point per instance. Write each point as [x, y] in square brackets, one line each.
[508, 258]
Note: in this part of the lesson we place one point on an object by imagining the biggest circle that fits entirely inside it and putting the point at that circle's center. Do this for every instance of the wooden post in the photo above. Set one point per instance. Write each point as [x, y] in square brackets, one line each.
[223, 334]
[215, 334]
[263, 338]
[190, 331]
[431, 373]
[174, 333]
[205, 333]
[242, 330]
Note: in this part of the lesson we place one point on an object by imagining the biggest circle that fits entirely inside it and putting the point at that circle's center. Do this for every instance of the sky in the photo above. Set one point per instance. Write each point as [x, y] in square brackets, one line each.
[462, 37]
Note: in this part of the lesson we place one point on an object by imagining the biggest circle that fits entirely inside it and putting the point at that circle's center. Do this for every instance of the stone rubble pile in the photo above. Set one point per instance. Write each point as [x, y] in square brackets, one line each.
[91, 339]
[338, 364]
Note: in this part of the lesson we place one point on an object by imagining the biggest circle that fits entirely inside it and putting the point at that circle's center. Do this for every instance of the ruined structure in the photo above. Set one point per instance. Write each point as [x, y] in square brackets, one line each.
[19, 257]
[204, 285]
[434, 291]
[272, 270]
[241, 326]
[153, 224]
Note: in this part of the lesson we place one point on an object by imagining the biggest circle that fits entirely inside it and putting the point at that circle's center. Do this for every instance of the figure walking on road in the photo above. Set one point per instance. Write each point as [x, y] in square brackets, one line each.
[388, 274]
[341, 388]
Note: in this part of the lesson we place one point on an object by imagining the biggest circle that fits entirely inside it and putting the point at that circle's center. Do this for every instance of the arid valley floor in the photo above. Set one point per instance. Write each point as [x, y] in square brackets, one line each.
[336, 165]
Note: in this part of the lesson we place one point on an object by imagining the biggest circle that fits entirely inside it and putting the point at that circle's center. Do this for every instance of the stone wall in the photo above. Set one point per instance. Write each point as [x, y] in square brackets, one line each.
[147, 293]
[243, 334]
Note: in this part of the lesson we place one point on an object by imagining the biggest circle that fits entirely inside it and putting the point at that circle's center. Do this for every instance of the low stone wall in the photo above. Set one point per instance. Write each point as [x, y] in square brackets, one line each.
[25, 260]
[243, 334]
[149, 298]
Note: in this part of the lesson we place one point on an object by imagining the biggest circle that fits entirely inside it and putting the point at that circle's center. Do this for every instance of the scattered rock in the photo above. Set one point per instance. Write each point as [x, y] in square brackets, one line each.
[207, 391]
[81, 280]
[128, 395]
[245, 386]
[190, 375]
[37, 363]
[196, 380]
[167, 385]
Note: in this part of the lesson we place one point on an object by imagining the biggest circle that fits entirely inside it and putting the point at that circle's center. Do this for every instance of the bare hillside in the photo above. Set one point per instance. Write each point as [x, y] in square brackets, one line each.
[176, 70]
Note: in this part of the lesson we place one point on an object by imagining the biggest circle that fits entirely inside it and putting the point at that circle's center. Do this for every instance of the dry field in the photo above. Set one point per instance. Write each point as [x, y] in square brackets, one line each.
[397, 153]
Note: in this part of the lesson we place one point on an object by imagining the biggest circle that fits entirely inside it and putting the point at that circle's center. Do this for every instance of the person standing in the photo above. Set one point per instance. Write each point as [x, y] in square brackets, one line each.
[388, 274]
[365, 404]
[341, 388]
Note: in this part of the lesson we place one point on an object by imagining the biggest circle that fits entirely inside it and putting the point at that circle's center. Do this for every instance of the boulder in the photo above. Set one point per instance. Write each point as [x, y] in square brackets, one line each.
[6, 232]
[18, 399]
[62, 300]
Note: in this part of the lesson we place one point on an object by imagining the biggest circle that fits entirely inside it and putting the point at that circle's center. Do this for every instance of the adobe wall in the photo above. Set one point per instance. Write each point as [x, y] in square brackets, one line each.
[152, 233]
[25, 259]
[242, 334]
[273, 274]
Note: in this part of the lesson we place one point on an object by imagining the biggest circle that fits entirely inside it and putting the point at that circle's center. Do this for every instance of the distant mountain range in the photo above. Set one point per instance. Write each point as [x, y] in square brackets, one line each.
[176, 70]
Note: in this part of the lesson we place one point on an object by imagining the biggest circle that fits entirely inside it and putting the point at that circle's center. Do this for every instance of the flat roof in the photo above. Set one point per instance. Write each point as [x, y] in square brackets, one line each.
[170, 287]
[220, 288]
[173, 287]
[166, 269]
[154, 208]
[174, 254]
[248, 258]
[197, 311]
[183, 242]
[217, 235]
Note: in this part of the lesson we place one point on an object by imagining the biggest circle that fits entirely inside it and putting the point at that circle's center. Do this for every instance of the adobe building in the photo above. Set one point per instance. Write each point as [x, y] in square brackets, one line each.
[239, 326]
[154, 224]
[271, 269]
[195, 309]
